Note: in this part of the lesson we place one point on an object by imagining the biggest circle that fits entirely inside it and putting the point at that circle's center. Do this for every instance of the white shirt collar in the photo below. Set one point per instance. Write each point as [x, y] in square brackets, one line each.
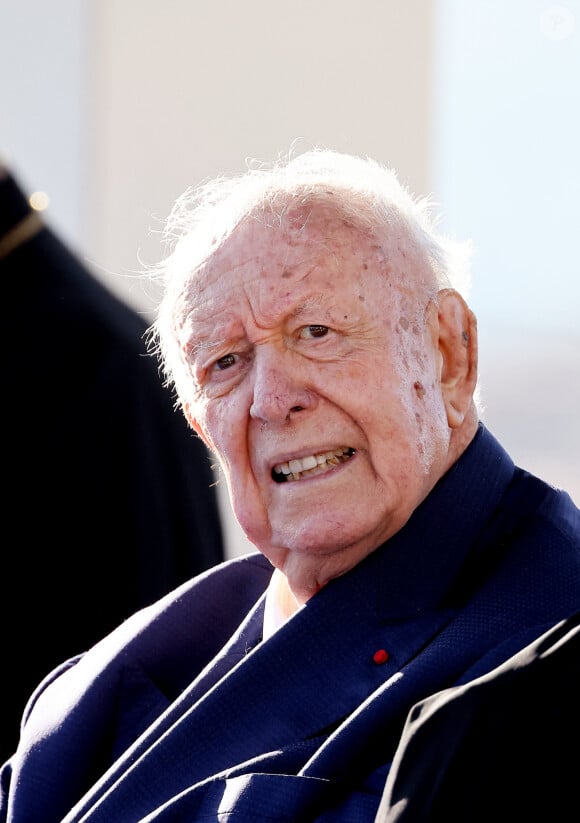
[280, 604]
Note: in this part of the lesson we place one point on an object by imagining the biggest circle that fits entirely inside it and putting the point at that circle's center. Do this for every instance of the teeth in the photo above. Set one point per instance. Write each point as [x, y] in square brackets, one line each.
[313, 464]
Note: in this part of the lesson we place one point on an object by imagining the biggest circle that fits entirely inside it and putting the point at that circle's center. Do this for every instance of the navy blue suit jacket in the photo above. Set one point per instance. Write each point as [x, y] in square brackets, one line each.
[184, 714]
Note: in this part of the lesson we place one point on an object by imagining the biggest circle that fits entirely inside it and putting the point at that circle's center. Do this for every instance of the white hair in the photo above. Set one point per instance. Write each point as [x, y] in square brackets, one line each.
[360, 189]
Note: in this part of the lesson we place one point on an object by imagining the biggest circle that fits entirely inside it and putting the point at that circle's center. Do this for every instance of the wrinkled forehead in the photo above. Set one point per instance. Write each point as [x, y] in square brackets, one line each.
[283, 233]
[273, 247]
[272, 252]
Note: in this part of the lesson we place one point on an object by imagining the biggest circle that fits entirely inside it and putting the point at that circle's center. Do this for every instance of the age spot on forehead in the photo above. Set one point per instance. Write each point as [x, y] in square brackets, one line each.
[419, 389]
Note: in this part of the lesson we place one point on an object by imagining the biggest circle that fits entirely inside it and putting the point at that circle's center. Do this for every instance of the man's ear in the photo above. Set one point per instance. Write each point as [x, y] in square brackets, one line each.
[458, 349]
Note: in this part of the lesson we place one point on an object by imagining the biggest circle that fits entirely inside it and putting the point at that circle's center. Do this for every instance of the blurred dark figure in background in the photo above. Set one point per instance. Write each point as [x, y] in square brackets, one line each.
[108, 497]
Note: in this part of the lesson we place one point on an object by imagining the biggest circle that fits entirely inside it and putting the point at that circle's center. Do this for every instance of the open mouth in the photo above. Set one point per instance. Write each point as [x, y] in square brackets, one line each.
[311, 465]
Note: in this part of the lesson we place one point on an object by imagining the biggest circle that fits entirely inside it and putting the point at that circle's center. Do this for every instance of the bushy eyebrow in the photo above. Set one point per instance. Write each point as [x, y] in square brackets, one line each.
[310, 303]
[194, 348]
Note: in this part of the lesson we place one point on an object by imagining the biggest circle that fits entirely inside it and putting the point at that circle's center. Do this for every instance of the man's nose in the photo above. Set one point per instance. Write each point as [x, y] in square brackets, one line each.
[279, 390]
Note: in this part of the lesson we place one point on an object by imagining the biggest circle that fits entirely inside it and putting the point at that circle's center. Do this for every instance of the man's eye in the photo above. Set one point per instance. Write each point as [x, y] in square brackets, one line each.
[313, 331]
[225, 362]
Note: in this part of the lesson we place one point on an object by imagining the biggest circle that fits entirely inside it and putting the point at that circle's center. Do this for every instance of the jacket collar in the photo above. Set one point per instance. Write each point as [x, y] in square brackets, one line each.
[393, 602]
[413, 571]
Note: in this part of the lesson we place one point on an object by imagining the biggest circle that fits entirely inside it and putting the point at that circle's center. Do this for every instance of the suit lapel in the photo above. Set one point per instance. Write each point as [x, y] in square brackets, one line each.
[318, 668]
[299, 685]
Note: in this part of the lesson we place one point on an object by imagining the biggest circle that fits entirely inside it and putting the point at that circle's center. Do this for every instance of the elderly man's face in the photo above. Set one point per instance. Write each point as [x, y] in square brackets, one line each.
[317, 370]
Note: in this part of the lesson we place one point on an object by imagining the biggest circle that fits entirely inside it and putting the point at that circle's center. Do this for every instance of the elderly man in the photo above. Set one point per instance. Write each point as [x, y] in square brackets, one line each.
[311, 328]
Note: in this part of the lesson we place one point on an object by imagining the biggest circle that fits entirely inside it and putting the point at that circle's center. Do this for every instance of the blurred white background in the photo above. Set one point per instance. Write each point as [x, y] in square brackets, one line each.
[115, 107]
